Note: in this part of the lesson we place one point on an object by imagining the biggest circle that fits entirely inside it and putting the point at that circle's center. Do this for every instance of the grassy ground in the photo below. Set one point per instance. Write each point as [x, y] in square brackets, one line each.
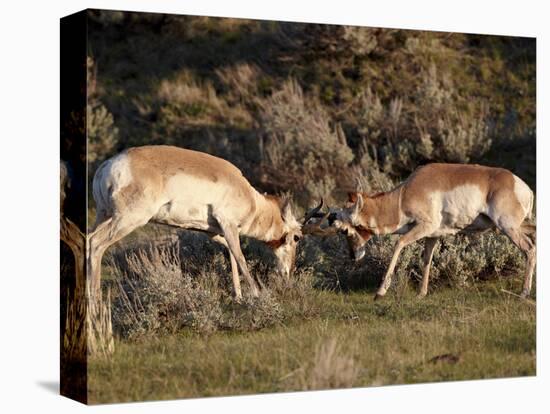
[472, 333]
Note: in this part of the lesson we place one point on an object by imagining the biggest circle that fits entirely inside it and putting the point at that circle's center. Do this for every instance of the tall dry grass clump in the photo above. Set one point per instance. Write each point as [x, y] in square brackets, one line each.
[330, 367]
[154, 295]
[185, 101]
[164, 289]
[240, 82]
[459, 262]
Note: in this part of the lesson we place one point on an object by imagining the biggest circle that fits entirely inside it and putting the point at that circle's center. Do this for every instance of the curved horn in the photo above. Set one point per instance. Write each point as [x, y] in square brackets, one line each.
[314, 212]
[316, 229]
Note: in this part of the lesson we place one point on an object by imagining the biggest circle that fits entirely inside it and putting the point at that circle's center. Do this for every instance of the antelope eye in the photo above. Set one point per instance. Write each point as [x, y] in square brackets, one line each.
[296, 238]
[345, 231]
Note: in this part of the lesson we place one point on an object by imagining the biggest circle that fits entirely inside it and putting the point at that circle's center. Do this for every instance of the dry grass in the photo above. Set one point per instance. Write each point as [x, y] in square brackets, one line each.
[331, 368]
[350, 342]
[184, 100]
[240, 81]
[167, 288]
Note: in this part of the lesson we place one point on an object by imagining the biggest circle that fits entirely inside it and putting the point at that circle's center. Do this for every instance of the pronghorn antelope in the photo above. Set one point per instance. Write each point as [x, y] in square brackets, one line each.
[190, 190]
[437, 200]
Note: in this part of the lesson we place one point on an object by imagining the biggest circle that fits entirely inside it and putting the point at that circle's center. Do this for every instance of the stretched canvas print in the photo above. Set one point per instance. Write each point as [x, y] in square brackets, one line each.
[257, 206]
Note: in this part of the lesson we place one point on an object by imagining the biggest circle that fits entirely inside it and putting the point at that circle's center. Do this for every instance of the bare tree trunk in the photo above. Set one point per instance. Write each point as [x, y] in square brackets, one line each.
[74, 337]
[74, 351]
[98, 324]
[88, 329]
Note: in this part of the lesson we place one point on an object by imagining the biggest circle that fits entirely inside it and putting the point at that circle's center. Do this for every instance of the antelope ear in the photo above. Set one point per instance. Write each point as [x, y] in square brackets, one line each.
[286, 210]
[352, 197]
[357, 207]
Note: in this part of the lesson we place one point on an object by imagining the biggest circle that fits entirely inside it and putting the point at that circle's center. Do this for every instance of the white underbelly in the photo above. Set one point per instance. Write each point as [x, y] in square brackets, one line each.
[183, 214]
[459, 209]
[444, 231]
[190, 203]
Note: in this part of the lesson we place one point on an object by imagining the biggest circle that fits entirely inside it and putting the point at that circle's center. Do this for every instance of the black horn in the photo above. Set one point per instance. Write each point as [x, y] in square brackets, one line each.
[315, 212]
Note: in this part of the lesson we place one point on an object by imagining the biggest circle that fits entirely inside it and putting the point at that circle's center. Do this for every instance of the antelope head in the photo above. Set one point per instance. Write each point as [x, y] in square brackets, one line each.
[347, 220]
[285, 247]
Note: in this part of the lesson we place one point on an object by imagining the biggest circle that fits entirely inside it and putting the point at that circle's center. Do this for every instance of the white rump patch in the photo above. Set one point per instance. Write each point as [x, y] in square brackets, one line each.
[111, 176]
[120, 174]
[524, 195]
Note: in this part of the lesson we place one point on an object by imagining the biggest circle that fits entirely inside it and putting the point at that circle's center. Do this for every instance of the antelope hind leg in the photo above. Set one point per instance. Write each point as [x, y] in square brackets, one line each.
[527, 246]
[429, 248]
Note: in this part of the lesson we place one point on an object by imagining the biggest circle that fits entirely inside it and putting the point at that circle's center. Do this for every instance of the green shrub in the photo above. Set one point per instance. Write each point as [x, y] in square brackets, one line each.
[101, 129]
[462, 260]
[302, 150]
[459, 262]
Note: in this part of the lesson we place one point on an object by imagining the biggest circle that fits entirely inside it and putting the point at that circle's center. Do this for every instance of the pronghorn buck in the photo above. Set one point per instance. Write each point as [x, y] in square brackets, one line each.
[190, 190]
[437, 200]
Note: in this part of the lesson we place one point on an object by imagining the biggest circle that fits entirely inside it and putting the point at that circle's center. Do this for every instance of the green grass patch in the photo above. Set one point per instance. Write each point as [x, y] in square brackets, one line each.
[351, 341]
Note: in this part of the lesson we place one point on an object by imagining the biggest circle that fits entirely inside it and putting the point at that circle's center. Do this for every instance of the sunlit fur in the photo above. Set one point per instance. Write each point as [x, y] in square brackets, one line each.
[189, 190]
[286, 252]
[438, 200]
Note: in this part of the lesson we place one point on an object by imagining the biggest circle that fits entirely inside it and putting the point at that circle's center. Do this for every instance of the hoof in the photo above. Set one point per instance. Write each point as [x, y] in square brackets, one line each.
[378, 296]
[421, 295]
[524, 294]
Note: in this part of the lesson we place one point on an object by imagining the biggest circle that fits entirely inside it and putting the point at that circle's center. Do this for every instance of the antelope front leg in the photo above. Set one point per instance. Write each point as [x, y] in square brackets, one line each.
[235, 277]
[416, 233]
[386, 281]
[234, 267]
[231, 235]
